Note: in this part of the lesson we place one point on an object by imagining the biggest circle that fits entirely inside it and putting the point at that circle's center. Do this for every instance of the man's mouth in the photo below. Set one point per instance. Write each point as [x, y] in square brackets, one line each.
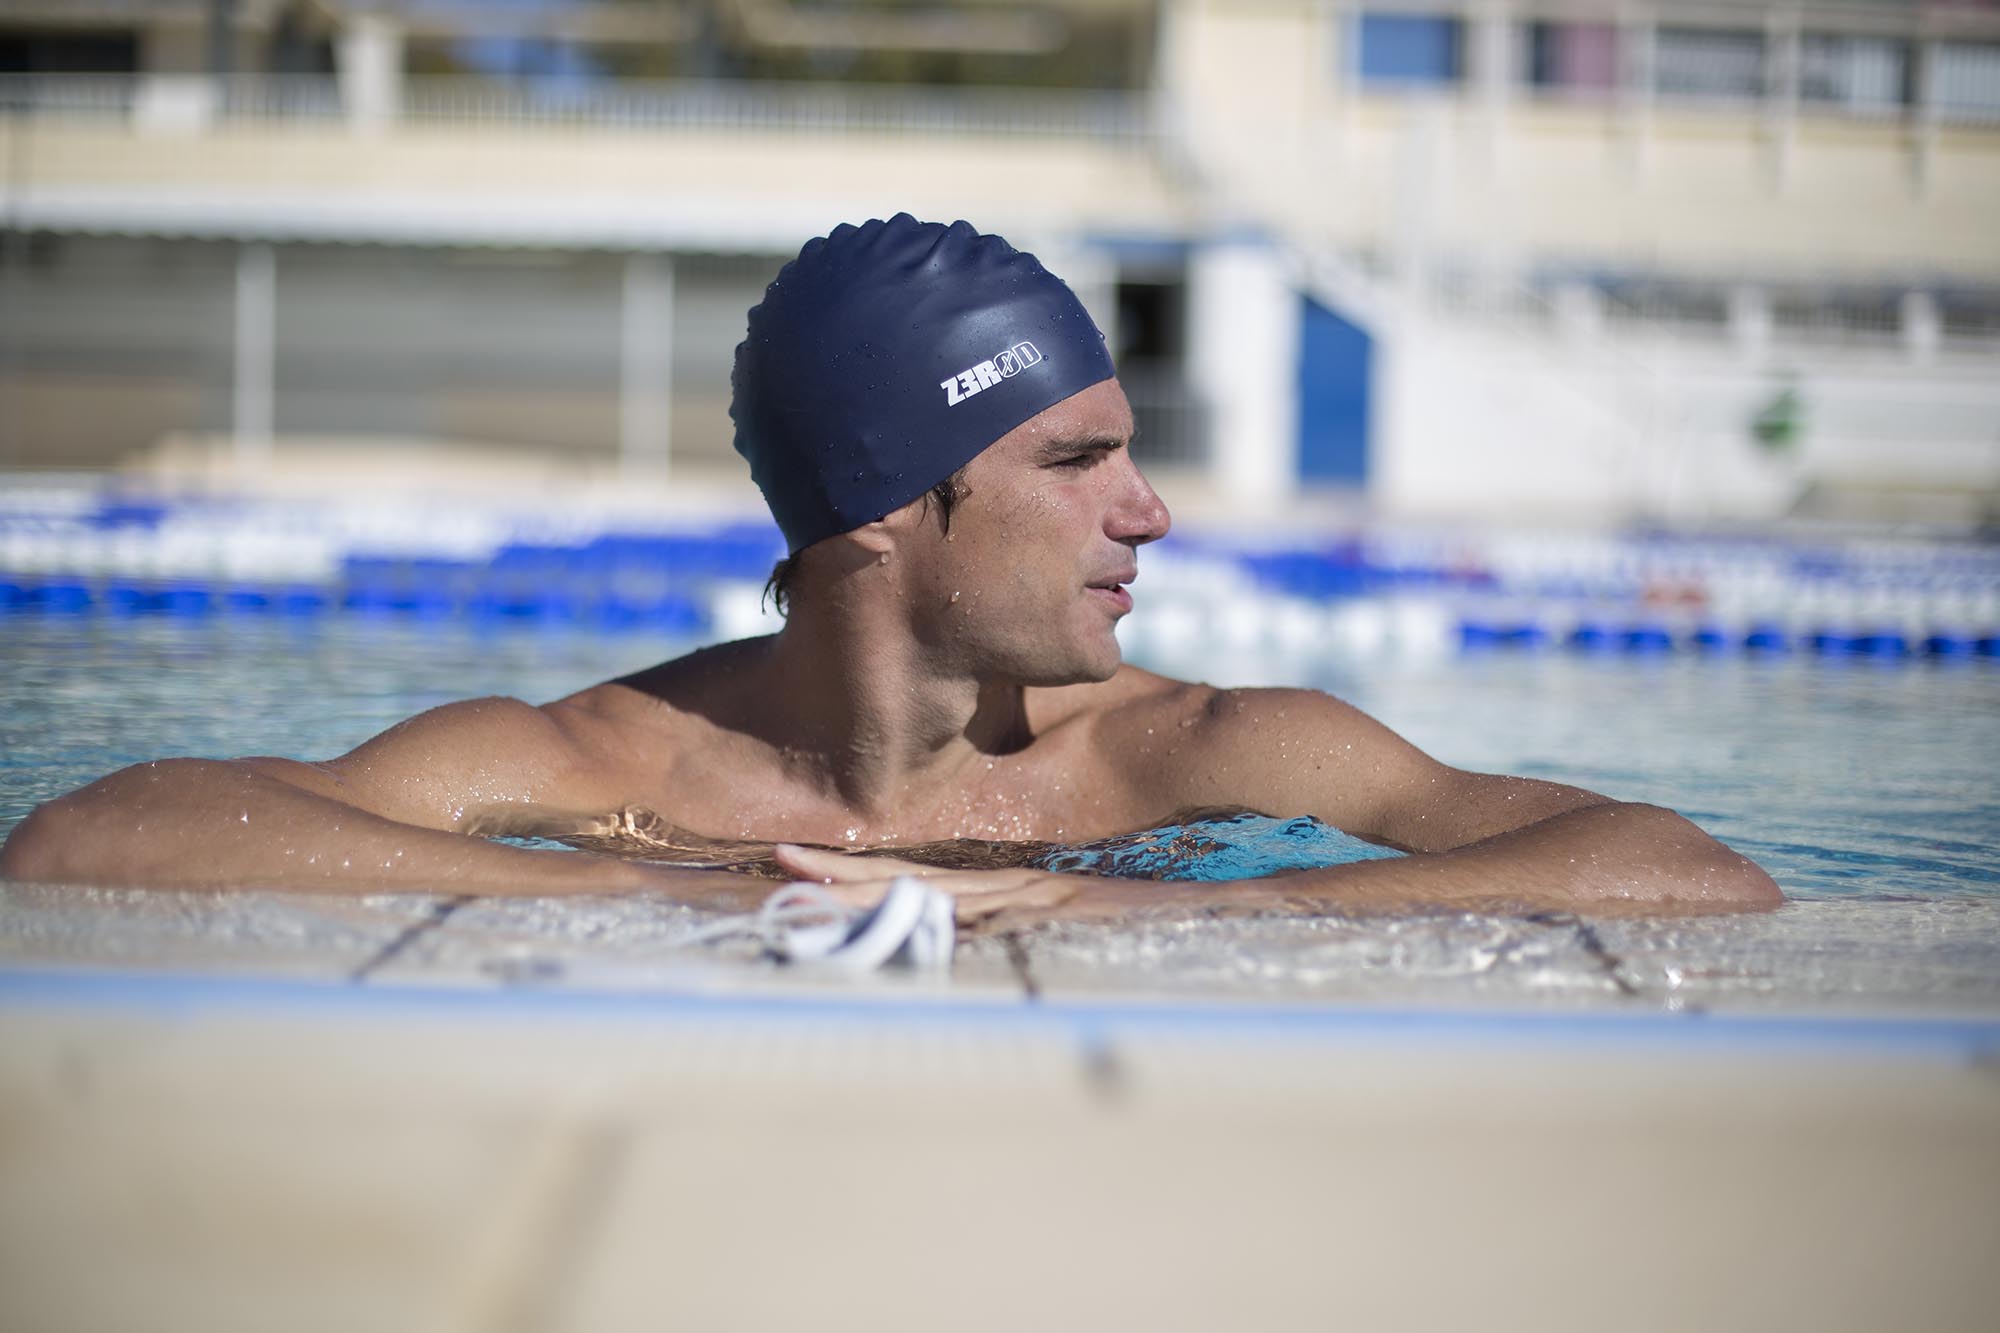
[1112, 589]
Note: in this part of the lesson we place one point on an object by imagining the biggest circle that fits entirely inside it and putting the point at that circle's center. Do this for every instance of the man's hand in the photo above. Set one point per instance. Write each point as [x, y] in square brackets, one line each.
[998, 899]
[1603, 859]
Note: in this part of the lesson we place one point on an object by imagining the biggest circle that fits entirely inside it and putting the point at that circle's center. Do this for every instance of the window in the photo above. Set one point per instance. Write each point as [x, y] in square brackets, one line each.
[1970, 313]
[1410, 50]
[1152, 366]
[1855, 73]
[32, 52]
[1708, 62]
[1965, 79]
[1572, 57]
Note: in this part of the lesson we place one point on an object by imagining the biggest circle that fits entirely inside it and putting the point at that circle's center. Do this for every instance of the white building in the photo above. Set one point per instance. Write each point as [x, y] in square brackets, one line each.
[1558, 258]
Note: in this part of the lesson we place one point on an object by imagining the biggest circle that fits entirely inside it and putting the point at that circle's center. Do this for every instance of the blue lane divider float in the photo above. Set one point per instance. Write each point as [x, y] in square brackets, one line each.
[1633, 596]
[1643, 638]
[608, 581]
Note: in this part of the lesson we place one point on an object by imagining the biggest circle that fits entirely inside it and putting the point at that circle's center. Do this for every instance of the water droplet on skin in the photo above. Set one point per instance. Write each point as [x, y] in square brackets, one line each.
[884, 559]
[954, 598]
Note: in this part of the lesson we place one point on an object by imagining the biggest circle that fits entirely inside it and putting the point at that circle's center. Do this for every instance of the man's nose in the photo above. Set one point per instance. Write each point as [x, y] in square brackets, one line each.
[1139, 515]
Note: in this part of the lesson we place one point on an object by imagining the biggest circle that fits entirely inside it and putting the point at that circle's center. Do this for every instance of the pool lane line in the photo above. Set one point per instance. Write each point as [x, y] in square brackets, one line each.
[1021, 964]
[1098, 1023]
[440, 913]
[1610, 964]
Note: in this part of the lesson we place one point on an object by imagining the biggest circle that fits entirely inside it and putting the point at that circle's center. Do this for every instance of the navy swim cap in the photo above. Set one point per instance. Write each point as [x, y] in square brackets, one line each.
[886, 356]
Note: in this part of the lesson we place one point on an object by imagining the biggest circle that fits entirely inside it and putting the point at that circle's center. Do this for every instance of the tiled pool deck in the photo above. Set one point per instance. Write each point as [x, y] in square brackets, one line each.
[280, 1111]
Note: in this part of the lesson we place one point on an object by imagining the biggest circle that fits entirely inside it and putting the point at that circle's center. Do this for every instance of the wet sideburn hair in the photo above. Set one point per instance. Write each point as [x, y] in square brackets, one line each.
[777, 588]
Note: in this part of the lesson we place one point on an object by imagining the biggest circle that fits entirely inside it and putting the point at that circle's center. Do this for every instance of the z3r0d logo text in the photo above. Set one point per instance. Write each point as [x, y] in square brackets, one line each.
[989, 373]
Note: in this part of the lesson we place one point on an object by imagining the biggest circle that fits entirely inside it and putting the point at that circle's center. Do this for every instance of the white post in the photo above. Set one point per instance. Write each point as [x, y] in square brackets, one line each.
[1637, 47]
[1750, 322]
[1423, 182]
[1579, 312]
[252, 399]
[1341, 23]
[1492, 76]
[1924, 116]
[1783, 56]
[1922, 326]
[1243, 359]
[646, 366]
[371, 72]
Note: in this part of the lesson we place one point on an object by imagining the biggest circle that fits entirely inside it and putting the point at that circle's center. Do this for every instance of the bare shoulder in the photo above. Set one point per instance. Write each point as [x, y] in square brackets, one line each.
[1133, 691]
[587, 751]
[1285, 751]
[435, 768]
[1206, 715]
[1170, 746]
[1248, 730]
[474, 727]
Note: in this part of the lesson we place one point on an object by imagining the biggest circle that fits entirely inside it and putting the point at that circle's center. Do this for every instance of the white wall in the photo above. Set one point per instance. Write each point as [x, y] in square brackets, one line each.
[1523, 426]
[1243, 356]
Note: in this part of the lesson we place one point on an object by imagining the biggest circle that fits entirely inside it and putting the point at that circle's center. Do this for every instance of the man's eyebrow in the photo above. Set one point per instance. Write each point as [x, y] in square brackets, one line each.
[1054, 450]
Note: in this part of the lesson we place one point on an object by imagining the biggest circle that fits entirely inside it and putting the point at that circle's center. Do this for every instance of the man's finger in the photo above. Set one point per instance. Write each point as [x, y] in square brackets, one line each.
[835, 867]
[818, 864]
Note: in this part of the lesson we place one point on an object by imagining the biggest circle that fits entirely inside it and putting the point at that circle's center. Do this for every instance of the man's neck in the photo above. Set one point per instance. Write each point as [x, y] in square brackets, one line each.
[861, 711]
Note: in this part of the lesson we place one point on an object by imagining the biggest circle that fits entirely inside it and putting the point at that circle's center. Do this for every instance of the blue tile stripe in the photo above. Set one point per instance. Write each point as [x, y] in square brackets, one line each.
[1958, 1040]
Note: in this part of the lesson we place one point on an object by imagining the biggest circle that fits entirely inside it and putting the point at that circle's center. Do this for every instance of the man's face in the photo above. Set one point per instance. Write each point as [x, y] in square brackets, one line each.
[1028, 584]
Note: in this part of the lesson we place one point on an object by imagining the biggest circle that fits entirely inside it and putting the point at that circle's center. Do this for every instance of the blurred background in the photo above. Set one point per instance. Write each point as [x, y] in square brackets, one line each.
[1550, 260]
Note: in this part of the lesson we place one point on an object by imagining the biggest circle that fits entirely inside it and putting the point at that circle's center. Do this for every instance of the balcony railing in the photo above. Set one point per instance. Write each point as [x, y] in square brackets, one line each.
[196, 103]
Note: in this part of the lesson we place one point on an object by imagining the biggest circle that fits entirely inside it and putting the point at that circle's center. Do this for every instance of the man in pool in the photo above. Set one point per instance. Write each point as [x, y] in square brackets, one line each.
[939, 432]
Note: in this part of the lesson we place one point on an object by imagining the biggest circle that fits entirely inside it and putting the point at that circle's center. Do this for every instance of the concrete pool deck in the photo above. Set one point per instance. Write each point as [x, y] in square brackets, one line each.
[260, 1110]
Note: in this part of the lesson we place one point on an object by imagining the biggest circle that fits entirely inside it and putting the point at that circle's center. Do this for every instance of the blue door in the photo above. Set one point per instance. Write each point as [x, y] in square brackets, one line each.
[1334, 362]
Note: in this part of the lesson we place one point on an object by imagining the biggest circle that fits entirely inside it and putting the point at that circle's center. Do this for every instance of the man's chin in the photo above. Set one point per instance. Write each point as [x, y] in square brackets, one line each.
[1101, 667]
[1092, 670]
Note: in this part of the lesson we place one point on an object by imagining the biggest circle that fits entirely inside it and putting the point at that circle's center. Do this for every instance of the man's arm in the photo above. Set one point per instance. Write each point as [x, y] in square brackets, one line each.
[1477, 839]
[382, 817]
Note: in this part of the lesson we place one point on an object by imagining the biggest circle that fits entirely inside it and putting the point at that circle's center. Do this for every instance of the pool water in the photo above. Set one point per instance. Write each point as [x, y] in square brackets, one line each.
[1866, 789]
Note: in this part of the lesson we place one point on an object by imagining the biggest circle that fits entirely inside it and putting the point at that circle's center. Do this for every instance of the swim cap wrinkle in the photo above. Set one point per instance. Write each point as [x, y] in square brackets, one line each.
[887, 356]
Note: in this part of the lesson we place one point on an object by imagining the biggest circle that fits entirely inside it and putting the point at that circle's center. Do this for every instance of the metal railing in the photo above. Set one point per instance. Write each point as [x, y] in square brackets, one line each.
[196, 103]
[1691, 311]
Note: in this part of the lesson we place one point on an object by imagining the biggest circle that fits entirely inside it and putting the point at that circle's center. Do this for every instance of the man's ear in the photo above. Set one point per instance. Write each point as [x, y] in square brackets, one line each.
[877, 539]
[896, 528]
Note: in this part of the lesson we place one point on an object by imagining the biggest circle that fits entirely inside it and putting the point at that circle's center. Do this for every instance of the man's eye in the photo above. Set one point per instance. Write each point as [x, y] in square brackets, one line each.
[1075, 462]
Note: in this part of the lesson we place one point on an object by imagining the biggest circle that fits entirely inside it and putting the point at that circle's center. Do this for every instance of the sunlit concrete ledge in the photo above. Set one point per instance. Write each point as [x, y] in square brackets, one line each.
[218, 1155]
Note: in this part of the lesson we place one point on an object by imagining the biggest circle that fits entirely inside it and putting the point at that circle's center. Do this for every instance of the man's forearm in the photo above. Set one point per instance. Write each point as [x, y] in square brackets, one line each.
[1603, 858]
[223, 824]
